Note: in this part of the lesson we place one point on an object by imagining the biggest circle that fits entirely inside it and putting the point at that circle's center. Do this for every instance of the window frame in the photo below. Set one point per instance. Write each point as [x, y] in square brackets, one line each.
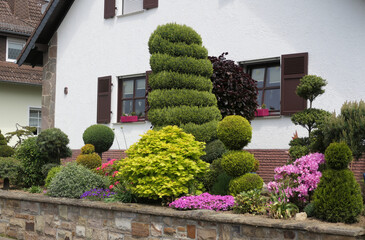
[39, 128]
[120, 9]
[133, 77]
[13, 40]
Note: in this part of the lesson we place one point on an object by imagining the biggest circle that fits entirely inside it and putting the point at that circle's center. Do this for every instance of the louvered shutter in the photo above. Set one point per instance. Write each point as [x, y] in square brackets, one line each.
[148, 4]
[109, 8]
[293, 68]
[104, 99]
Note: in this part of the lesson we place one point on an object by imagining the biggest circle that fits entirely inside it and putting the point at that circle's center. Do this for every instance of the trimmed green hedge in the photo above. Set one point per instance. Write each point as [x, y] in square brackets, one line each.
[169, 80]
[161, 98]
[182, 115]
[164, 62]
[205, 132]
[160, 45]
[176, 33]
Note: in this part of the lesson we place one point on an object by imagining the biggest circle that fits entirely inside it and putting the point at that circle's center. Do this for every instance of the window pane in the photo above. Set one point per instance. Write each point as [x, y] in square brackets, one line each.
[140, 88]
[140, 106]
[259, 98]
[273, 76]
[131, 6]
[33, 122]
[258, 74]
[33, 113]
[128, 89]
[272, 99]
[127, 106]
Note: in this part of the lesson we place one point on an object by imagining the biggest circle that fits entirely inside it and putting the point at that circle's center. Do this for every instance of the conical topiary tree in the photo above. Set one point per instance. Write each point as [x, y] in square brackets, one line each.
[181, 87]
[5, 150]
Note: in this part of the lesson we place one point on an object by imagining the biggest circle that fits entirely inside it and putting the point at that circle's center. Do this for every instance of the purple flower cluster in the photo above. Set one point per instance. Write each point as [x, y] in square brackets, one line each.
[204, 201]
[97, 194]
[300, 178]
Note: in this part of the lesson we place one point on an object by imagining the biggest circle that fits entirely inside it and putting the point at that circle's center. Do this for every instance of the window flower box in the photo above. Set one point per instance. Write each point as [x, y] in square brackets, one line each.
[261, 112]
[129, 118]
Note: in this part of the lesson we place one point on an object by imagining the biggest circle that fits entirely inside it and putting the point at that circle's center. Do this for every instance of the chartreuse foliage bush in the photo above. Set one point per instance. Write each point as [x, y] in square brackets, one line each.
[214, 150]
[164, 164]
[181, 88]
[5, 150]
[100, 136]
[230, 77]
[73, 180]
[9, 168]
[237, 163]
[338, 196]
[51, 174]
[235, 132]
[245, 183]
[88, 158]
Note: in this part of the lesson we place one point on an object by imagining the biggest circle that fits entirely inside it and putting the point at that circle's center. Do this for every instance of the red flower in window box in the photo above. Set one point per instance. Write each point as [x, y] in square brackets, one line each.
[129, 118]
[261, 112]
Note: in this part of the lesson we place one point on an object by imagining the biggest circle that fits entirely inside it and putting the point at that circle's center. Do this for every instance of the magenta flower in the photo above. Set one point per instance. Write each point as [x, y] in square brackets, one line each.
[204, 201]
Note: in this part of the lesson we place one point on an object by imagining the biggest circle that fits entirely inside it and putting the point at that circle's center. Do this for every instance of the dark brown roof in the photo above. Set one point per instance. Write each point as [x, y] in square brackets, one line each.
[20, 16]
[10, 72]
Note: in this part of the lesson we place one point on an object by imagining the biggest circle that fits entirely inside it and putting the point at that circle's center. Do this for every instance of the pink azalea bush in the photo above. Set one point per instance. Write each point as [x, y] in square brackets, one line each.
[110, 170]
[299, 179]
[204, 201]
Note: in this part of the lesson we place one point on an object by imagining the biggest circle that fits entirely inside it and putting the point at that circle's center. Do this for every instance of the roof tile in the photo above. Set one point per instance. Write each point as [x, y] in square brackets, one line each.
[10, 72]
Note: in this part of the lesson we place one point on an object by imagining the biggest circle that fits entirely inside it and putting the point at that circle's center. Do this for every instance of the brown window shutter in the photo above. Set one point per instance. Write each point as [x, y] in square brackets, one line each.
[109, 8]
[148, 4]
[2, 48]
[104, 99]
[293, 68]
[148, 89]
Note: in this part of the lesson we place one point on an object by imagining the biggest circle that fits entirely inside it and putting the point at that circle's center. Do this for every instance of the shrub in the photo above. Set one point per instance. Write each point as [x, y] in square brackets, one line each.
[47, 167]
[214, 150]
[9, 168]
[176, 97]
[310, 87]
[310, 118]
[230, 77]
[188, 65]
[90, 161]
[204, 201]
[88, 148]
[169, 80]
[32, 160]
[338, 197]
[220, 187]
[53, 143]
[51, 174]
[5, 150]
[338, 156]
[279, 205]
[256, 166]
[100, 136]
[183, 115]
[163, 164]
[237, 163]
[235, 132]
[309, 209]
[205, 132]
[211, 176]
[245, 183]
[250, 202]
[73, 180]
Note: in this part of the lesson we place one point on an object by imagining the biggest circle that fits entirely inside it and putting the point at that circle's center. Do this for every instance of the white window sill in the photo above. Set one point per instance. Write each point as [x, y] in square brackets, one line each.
[268, 117]
[138, 122]
[130, 14]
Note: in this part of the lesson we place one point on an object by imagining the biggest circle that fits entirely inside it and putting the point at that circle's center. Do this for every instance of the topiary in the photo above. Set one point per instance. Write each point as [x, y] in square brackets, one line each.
[235, 132]
[90, 160]
[163, 164]
[88, 148]
[100, 136]
[310, 87]
[53, 143]
[73, 180]
[229, 77]
[180, 85]
[245, 183]
[214, 150]
[338, 156]
[51, 174]
[237, 163]
[9, 169]
[5, 150]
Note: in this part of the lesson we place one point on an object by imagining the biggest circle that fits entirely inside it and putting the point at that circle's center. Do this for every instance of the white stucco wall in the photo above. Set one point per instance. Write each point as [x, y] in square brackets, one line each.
[15, 101]
[331, 31]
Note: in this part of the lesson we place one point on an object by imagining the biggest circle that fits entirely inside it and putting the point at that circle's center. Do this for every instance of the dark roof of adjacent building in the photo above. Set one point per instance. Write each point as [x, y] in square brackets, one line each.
[10, 72]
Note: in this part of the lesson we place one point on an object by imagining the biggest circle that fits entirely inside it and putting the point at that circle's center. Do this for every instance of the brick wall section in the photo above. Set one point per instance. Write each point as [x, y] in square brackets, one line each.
[111, 154]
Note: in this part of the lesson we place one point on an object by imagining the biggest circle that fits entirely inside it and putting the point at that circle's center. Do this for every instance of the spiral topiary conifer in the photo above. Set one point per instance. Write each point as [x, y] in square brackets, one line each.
[181, 88]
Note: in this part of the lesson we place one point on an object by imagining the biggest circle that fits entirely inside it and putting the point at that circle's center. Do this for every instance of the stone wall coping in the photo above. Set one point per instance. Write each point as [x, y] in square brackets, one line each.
[309, 225]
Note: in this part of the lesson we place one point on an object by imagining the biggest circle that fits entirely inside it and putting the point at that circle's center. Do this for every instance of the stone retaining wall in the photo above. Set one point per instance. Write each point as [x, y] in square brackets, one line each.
[27, 216]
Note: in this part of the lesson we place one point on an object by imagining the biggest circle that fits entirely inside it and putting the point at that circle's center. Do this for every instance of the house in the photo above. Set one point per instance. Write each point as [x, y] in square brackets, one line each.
[95, 57]
[20, 87]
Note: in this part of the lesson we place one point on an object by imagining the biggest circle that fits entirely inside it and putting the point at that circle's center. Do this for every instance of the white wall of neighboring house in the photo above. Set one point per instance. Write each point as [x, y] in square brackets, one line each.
[15, 101]
[331, 31]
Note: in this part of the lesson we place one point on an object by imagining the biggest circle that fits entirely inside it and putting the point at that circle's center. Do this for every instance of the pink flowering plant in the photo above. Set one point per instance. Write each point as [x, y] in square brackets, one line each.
[299, 179]
[110, 170]
[204, 201]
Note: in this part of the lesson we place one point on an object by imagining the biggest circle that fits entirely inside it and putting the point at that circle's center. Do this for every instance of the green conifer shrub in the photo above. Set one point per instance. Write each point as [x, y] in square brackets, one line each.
[235, 132]
[88, 158]
[214, 150]
[237, 163]
[244, 183]
[5, 150]
[180, 85]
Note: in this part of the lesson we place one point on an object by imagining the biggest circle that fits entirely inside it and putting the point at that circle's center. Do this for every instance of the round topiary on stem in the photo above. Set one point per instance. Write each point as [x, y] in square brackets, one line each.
[245, 183]
[235, 132]
[237, 163]
[100, 136]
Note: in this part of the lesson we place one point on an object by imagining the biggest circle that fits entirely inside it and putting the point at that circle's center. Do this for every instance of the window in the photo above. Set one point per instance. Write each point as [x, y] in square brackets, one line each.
[268, 84]
[125, 7]
[132, 95]
[35, 119]
[13, 49]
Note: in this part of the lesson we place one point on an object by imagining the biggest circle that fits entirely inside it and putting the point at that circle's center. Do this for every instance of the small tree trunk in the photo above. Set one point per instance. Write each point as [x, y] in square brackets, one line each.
[6, 184]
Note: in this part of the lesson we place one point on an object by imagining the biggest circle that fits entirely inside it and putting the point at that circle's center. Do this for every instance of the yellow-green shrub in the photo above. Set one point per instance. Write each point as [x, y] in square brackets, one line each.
[163, 164]
[88, 158]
